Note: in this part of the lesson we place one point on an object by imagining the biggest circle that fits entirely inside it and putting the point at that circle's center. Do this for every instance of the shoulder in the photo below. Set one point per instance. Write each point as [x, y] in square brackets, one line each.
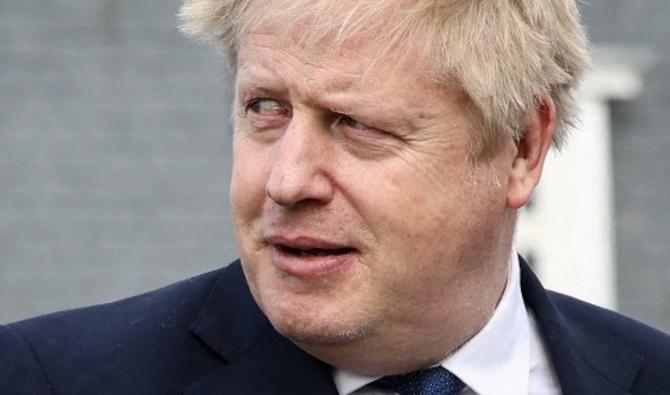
[167, 307]
[106, 340]
[589, 325]
[20, 372]
[595, 350]
[600, 331]
[588, 318]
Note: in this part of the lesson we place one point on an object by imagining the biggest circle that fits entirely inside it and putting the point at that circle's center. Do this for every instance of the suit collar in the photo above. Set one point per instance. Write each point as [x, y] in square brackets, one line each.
[230, 322]
[258, 360]
[255, 358]
[586, 360]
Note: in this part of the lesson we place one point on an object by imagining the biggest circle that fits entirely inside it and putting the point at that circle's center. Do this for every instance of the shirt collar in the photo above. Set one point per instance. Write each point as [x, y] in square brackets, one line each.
[496, 360]
[493, 362]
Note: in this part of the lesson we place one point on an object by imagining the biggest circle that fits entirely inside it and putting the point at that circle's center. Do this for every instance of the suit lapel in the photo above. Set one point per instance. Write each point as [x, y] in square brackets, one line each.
[256, 359]
[586, 360]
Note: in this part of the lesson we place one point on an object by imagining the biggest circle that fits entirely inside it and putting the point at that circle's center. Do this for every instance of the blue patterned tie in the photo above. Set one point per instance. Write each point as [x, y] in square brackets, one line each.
[433, 381]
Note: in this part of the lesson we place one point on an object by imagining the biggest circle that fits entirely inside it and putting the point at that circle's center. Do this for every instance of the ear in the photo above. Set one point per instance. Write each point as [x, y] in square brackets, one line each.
[530, 154]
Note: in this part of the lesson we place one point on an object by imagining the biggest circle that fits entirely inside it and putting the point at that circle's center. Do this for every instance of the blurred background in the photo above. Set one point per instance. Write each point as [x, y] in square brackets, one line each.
[115, 159]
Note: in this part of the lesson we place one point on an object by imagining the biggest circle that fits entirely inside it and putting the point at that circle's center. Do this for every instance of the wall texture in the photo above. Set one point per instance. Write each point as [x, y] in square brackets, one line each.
[640, 153]
[114, 153]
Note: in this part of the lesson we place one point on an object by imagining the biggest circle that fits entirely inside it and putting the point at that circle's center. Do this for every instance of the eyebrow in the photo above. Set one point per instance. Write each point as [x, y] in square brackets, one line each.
[266, 82]
[256, 78]
[242, 90]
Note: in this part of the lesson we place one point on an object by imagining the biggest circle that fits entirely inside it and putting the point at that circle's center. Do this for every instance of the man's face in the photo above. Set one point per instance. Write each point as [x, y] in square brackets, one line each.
[358, 212]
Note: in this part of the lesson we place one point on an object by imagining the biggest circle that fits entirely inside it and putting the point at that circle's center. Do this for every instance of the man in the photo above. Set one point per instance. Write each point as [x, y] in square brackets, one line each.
[381, 152]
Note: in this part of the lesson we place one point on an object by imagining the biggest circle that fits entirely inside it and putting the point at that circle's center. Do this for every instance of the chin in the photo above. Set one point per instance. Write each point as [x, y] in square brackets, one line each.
[323, 335]
[310, 320]
[333, 309]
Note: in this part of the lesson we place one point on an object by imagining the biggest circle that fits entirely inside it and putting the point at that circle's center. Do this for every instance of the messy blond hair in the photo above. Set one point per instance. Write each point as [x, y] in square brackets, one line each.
[505, 55]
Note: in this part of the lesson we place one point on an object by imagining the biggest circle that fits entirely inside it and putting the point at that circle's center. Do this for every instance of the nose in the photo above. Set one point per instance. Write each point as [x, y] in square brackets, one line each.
[299, 171]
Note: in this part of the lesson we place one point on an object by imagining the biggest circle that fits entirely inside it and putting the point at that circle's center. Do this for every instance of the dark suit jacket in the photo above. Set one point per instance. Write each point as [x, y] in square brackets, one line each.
[206, 335]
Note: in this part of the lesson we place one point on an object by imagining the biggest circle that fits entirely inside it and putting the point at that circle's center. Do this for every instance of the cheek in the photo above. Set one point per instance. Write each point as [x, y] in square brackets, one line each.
[418, 213]
[249, 178]
[415, 203]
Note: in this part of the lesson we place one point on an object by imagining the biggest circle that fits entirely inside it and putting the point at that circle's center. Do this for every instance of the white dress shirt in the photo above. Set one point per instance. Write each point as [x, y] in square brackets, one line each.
[507, 357]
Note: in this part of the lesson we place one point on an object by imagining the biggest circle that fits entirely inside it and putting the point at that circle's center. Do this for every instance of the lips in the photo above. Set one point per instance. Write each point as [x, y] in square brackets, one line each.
[304, 256]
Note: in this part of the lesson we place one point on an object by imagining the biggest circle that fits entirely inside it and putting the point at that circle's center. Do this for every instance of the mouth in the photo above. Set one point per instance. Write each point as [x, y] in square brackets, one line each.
[314, 252]
[308, 257]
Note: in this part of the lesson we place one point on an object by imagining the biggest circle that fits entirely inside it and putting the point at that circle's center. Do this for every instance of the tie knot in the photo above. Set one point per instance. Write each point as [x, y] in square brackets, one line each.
[433, 381]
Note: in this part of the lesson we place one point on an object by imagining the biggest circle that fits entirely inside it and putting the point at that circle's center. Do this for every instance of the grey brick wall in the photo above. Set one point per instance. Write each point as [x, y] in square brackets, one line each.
[641, 160]
[114, 153]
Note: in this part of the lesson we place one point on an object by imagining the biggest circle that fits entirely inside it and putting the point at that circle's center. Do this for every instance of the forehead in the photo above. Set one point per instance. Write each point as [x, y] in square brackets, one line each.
[341, 72]
[390, 91]
[263, 48]
[348, 76]
[324, 20]
[373, 28]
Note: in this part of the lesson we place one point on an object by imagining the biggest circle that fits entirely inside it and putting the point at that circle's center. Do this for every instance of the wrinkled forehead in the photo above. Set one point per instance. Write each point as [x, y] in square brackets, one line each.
[265, 61]
[326, 28]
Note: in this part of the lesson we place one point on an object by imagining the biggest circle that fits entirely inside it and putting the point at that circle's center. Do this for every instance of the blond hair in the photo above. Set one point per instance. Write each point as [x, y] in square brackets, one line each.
[505, 55]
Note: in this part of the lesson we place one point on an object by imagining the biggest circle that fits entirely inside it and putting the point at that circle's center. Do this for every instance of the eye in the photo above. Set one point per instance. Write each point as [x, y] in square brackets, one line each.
[352, 123]
[265, 107]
